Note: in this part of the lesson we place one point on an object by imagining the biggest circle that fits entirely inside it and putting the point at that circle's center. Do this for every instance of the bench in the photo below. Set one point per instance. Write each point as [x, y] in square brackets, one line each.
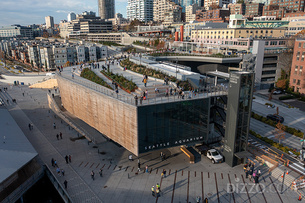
[188, 153]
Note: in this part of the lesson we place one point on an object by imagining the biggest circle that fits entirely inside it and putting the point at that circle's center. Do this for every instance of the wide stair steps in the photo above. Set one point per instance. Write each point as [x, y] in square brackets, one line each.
[151, 90]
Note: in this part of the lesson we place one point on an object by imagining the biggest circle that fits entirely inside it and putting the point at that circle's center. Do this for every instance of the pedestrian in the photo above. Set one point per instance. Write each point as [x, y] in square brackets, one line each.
[30, 127]
[67, 159]
[58, 171]
[146, 169]
[57, 136]
[161, 156]
[70, 158]
[52, 162]
[22, 93]
[63, 172]
[54, 125]
[55, 163]
[130, 157]
[153, 191]
[139, 166]
[164, 172]
[66, 184]
[158, 187]
[101, 172]
[92, 175]
[158, 192]
[145, 82]
[197, 199]
[60, 134]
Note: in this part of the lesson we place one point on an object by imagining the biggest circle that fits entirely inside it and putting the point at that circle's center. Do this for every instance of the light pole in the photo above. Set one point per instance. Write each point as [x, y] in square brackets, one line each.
[140, 58]
[176, 67]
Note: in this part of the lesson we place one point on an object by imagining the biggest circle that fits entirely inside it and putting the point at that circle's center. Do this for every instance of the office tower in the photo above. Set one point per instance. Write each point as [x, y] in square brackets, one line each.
[106, 9]
[49, 22]
[71, 16]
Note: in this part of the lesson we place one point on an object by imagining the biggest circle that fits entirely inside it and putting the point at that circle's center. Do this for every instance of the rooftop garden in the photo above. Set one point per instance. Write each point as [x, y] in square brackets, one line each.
[123, 82]
[154, 73]
[90, 75]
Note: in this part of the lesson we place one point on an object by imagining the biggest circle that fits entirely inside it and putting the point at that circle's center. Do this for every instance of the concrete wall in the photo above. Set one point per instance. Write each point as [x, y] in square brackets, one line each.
[113, 118]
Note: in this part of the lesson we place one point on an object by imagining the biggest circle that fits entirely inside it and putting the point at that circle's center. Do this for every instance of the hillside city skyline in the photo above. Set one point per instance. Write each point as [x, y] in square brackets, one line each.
[34, 12]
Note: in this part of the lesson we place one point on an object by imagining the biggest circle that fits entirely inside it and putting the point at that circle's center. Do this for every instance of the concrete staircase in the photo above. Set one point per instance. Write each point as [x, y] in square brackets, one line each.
[151, 90]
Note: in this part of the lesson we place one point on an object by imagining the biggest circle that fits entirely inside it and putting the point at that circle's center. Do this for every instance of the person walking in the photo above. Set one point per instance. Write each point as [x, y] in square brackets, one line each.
[62, 172]
[66, 184]
[55, 163]
[92, 175]
[145, 82]
[54, 125]
[57, 136]
[58, 171]
[67, 159]
[52, 162]
[161, 156]
[158, 192]
[101, 172]
[30, 127]
[60, 134]
[139, 166]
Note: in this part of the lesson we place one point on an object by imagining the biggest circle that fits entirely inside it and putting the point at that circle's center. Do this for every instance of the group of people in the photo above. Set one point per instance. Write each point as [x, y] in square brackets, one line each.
[251, 173]
[59, 136]
[155, 191]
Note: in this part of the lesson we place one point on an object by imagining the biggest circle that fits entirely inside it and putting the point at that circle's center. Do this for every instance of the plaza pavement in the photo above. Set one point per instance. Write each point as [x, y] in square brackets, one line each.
[184, 181]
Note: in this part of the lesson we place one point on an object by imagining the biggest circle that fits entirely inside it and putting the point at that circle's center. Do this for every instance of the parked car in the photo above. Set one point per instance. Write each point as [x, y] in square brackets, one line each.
[215, 156]
[50, 74]
[276, 118]
[277, 92]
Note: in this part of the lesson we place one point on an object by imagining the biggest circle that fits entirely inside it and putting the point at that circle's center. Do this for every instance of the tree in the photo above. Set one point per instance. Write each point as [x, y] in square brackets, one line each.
[285, 61]
[279, 132]
[240, 1]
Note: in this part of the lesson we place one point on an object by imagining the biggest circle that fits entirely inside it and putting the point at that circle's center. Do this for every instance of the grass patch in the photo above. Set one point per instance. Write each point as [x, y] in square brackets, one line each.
[90, 75]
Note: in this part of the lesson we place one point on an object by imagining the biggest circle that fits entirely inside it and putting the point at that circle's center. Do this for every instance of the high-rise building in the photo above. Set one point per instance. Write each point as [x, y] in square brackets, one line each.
[106, 9]
[190, 12]
[167, 11]
[71, 16]
[49, 22]
[140, 9]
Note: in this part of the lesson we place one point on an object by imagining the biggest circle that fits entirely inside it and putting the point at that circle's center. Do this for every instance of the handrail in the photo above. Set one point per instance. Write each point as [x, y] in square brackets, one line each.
[62, 192]
[212, 91]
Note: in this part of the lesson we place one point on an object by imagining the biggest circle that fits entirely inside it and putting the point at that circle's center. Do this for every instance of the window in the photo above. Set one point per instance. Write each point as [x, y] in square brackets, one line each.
[300, 45]
[298, 55]
[303, 55]
[294, 80]
[299, 82]
[301, 69]
[304, 43]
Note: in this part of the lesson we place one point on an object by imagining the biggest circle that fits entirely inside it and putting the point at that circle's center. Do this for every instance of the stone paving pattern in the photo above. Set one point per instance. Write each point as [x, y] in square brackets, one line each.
[184, 181]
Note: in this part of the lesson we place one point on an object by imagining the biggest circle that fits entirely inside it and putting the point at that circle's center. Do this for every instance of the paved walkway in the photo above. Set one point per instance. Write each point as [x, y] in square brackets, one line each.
[120, 183]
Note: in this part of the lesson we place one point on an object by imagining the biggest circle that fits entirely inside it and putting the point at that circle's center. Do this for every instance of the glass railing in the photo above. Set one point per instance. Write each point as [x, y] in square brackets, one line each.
[210, 91]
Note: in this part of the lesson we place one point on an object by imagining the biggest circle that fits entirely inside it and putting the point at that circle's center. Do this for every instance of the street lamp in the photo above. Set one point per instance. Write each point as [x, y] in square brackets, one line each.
[140, 58]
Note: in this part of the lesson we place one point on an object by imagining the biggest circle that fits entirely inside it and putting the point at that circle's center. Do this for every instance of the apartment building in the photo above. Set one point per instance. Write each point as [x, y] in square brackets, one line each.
[16, 31]
[253, 9]
[34, 55]
[166, 11]
[296, 25]
[215, 15]
[60, 55]
[220, 3]
[81, 53]
[140, 9]
[190, 12]
[237, 8]
[275, 10]
[297, 77]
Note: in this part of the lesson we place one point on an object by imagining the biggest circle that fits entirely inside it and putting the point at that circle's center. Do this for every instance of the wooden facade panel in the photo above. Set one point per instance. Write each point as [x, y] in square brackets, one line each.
[113, 118]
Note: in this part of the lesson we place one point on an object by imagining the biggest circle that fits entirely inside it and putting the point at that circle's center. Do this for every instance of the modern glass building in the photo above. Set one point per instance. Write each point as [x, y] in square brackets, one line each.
[173, 124]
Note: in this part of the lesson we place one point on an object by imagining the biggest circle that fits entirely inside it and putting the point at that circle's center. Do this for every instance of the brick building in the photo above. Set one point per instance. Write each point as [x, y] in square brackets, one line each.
[237, 9]
[216, 15]
[274, 10]
[253, 9]
[297, 77]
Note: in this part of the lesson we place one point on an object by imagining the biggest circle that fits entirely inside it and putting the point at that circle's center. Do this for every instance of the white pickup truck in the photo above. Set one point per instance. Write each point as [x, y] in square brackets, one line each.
[214, 155]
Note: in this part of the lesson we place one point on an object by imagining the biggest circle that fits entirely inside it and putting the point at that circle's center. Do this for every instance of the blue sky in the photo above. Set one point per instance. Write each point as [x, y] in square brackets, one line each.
[26, 12]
